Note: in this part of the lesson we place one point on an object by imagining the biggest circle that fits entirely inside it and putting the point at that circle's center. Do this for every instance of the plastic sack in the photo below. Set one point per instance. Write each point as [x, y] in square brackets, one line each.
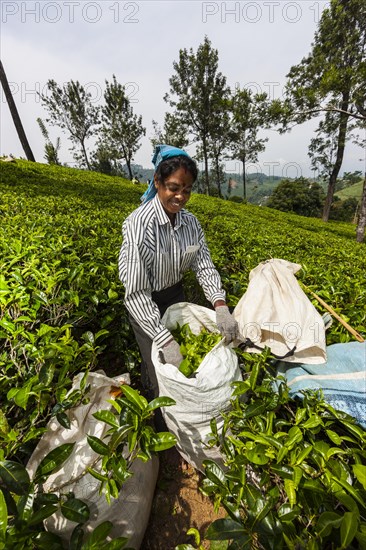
[274, 312]
[342, 379]
[201, 398]
[130, 512]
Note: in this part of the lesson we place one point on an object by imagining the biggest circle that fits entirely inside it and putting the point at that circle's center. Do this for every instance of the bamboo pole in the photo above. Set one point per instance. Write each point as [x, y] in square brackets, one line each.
[332, 312]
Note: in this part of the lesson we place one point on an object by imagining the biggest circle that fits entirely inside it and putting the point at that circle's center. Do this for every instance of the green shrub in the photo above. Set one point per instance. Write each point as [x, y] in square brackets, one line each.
[344, 210]
[62, 306]
[296, 476]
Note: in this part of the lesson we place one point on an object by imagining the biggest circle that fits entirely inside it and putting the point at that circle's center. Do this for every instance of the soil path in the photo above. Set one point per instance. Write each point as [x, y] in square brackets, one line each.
[178, 505]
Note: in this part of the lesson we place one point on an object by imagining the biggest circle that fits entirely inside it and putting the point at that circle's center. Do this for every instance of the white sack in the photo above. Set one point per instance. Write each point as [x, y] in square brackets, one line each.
[130, 512]
[201, 398]
[275, 312]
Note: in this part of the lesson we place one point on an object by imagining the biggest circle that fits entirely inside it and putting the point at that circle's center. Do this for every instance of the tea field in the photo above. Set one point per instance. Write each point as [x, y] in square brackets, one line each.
[62, 302]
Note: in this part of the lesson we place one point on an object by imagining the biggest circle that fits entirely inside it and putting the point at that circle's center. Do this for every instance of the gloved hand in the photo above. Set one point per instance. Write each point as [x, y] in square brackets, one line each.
[226, 324]
[171, 353]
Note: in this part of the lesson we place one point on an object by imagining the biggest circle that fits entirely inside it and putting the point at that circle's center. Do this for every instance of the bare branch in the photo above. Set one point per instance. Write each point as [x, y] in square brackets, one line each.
[332, 109]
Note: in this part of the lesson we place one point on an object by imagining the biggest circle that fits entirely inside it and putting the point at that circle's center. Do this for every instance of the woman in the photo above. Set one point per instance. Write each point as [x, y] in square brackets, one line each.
[161, 241]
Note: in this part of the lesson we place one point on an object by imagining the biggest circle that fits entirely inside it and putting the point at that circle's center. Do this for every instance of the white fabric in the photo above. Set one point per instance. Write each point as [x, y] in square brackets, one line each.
[201, 398]
[275, 312]
[130, 512]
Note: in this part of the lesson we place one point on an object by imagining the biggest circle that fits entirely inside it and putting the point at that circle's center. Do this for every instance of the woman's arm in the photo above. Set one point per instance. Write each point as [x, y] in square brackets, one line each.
[133, 263]
[206, 273]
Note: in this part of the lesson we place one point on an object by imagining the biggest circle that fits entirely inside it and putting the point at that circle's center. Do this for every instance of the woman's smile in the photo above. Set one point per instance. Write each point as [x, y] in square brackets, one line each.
[174, 193]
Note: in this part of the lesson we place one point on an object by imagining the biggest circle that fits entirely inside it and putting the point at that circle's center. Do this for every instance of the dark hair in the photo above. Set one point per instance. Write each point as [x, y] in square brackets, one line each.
[169, 166]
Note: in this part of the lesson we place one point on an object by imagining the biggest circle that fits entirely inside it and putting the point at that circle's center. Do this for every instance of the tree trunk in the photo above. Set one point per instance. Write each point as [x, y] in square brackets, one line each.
[128, 164]
[217, 165]
[341, 142]
[360, 233]
[244, 180]
[205, 157]
[85, 155]
[15, 115]
[127, 158]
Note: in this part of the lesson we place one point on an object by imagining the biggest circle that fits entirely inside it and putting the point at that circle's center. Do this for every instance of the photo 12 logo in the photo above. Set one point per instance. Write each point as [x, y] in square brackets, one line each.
[253, 12]
[271, 169]
[27, 92]
[274, 332]
[70, 12]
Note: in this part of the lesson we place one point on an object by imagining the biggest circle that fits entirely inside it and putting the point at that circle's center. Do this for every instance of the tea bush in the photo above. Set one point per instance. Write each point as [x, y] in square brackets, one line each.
[62, 313]
[296, 475]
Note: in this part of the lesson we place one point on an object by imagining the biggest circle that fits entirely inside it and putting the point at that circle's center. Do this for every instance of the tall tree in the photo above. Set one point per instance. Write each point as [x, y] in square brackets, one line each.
[332, 77]
[15, 115]
[174, 132]
[121, 129]
[323, 147]
[71, 108]
[196, 89]
[361, 225]
[360, 233]
[219, 138]
[249, 115]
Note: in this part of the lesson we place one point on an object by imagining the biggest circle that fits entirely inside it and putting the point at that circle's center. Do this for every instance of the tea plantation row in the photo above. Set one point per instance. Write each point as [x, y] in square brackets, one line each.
[62, 302]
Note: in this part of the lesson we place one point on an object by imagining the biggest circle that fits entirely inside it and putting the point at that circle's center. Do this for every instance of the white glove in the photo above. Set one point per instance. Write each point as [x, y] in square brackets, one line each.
[171, 353]
[226, 324]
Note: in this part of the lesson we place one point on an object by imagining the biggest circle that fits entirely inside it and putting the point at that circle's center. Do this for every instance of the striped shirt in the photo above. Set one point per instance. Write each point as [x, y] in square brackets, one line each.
[154, 255]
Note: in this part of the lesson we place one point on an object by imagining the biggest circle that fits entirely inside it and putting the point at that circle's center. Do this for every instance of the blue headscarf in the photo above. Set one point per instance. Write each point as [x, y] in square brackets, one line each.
[162, 152]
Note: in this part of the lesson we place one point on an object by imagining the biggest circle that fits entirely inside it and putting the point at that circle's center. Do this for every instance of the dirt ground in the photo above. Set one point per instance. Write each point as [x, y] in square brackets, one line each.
[178, 505]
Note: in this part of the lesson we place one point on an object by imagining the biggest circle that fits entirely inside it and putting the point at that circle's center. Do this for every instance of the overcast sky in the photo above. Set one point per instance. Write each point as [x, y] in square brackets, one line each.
[138, 41]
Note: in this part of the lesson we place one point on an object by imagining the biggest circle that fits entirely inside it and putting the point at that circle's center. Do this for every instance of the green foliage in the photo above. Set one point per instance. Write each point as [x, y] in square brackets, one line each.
[349, 179]
[121, 129]
[344, 210]
[24, 504]
[250, 113]
[335, 65]
[130, 436]
[236, 199]
[295, 474]
[354, 190]
[241, 236]
[51, 150]
[325, 145]
[219, 139]
[62, 306]
[198, 92]
[194, 347]
[61, 301]
[330, 79]
[102, 161]
[300, 196]
[174, 131]
[71, 108]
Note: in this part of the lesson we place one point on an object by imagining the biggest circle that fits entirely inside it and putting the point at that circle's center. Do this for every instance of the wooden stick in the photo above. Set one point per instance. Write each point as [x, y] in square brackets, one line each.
[344, 323]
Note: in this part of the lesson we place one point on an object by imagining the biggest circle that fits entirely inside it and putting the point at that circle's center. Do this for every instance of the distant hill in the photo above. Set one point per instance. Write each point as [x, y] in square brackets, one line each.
[259, 185]
[354, 190]
[142, 174]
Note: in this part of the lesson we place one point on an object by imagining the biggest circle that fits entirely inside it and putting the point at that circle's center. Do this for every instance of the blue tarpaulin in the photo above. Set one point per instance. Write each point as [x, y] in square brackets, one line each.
[342, 378]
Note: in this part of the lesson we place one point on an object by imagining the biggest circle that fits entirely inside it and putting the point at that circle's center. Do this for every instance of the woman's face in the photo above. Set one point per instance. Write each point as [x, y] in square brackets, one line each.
[175, 191]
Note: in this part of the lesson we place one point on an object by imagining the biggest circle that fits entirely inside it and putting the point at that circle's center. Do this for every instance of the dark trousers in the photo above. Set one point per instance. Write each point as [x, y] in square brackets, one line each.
[163, 300]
